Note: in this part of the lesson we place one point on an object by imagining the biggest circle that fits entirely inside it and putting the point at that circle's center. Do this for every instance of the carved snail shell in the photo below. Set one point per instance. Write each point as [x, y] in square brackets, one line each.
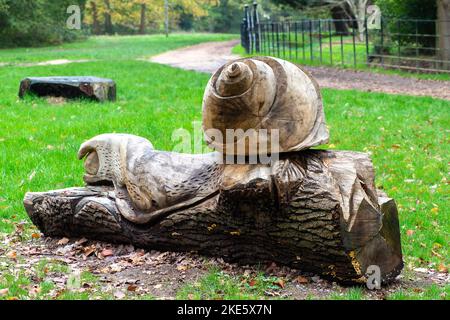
[258, 95]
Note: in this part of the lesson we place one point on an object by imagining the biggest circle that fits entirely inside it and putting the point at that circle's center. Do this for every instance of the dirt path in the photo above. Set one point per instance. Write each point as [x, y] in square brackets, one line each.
[207, 57]
[57, 62]
[204, 57]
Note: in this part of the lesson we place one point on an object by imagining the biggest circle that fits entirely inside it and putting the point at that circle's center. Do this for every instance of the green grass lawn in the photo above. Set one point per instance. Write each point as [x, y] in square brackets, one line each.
[408, 137]
[109, 48]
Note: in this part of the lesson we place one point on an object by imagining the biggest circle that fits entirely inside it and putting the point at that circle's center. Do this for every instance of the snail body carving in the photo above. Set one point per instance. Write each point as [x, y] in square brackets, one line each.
[263, 95]
[257, 95]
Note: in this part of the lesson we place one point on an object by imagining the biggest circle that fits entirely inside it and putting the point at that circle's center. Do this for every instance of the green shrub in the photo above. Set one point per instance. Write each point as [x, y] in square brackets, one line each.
[34, 23]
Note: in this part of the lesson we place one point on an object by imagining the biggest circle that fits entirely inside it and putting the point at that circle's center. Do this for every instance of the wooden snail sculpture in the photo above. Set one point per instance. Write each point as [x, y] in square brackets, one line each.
[264, 93]
[315, 210]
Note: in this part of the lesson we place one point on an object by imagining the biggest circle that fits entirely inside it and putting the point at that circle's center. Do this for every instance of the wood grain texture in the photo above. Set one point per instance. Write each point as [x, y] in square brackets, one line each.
[263, 93]
[317, 211]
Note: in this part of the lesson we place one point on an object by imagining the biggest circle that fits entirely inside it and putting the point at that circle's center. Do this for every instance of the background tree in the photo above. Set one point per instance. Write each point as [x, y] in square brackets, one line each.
[411, 10]
[443, 14]
[339, 9]
[33, 23]
[143, 21]
[109, 28]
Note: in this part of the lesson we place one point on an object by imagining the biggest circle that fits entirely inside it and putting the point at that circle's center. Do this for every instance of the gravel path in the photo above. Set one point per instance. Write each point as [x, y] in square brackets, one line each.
[207, 57]
[204, 57]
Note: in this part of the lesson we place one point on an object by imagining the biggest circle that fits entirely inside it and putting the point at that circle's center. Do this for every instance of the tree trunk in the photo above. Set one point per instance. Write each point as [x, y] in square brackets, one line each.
[109, 29]
[317, 211]
[95, 23]
[443, 29]
[143, 19]
[166, 17]
[358, 9]
[339, 16]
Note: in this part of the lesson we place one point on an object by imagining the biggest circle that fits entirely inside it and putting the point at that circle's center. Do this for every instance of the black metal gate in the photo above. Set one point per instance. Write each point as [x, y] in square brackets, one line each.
[395, 43]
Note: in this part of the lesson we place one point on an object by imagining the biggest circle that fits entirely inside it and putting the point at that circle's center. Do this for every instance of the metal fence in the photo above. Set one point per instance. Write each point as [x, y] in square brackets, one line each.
[395, 43]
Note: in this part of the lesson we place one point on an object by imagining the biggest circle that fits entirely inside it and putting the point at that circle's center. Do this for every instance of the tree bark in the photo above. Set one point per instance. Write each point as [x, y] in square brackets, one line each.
[95, 23]
[358, 9]
[444, 32]
[317, 211]
[109, 29]
[142, 23]
[339, 16]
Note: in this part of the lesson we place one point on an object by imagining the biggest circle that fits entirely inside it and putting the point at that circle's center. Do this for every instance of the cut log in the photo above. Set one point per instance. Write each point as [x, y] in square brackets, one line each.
[317, 211]
[70, 87]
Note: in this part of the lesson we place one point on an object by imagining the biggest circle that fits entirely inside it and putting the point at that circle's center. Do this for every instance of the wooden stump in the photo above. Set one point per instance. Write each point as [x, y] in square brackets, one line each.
[70, 87]
[317, 211]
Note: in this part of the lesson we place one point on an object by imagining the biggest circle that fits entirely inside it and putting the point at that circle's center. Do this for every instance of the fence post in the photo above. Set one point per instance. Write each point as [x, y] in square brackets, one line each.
[367, 41]
[256, 27]
[382, 41]
[251, 40]
[244, 40]
[247, 29]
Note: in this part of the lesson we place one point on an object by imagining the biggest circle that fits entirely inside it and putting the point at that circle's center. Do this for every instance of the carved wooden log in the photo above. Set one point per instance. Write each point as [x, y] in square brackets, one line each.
[69, 87]
[317, 211]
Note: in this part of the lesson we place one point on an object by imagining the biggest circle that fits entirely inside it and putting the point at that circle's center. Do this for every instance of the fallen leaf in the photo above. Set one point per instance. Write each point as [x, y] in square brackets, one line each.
[119, 294]
[12, 254]
[280, 283]
[88, 250]
[132, 287]
[137, 258]
[437, 245]
[271, 293]
[409, 233]
[34, 291]
[36, 235]
[442, 268]
[63, 241]
[271, 268]
[107, 252]
[116, 268]
[81, 241]
[4, 292]
[396, 146]
[252, 283]
[435, 210]
[104, 270]
[182, 268]
[434, 253]
[158, 286]
[301, 280]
